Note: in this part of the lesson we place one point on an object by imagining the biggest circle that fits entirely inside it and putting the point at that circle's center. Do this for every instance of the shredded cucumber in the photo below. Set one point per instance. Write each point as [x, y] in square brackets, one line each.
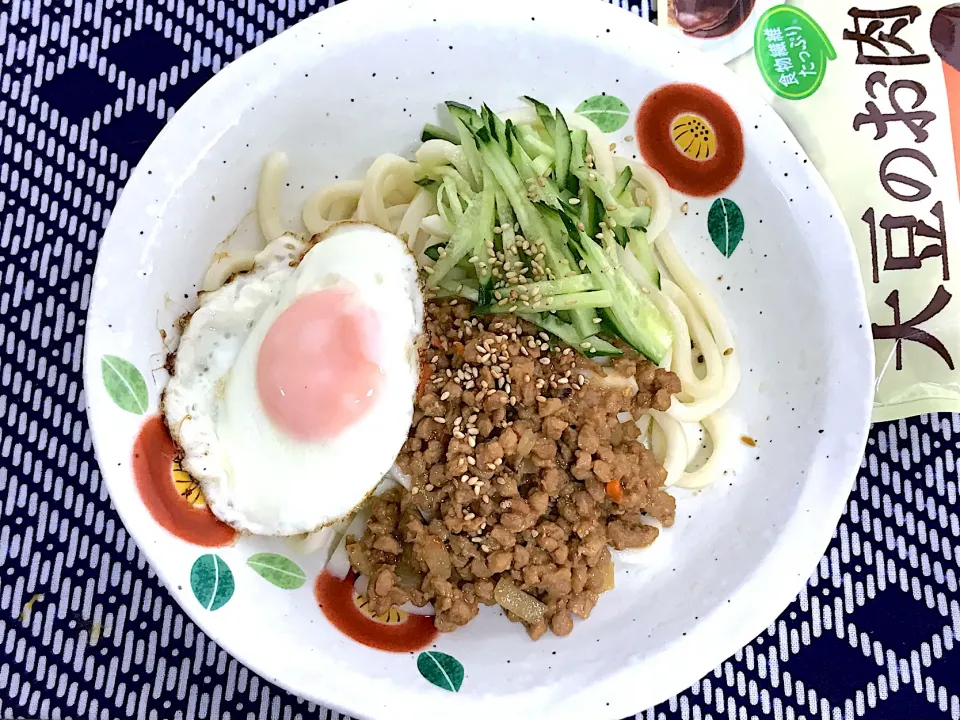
[536, 180]
[435, 132]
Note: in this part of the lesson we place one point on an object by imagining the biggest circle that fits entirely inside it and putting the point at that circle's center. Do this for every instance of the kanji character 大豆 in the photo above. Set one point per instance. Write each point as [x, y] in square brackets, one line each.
[913, 228]
[908, 331]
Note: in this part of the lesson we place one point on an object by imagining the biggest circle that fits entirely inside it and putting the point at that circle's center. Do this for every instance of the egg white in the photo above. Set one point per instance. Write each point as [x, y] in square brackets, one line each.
[254, 475]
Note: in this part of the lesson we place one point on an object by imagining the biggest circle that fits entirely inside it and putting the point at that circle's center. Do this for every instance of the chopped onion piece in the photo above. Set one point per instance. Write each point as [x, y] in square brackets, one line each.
[522, 604]
[409, 607]
[399, 476]
[609, 577]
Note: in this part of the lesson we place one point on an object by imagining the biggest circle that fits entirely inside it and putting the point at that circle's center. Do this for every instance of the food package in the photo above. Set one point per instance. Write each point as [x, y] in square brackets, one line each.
[871, 88]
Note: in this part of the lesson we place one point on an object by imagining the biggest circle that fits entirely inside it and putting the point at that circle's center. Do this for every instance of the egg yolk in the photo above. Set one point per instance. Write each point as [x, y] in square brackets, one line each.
[315, 373]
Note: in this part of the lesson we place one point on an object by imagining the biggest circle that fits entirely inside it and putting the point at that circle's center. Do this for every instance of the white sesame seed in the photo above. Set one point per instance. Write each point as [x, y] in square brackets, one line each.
[441, 420]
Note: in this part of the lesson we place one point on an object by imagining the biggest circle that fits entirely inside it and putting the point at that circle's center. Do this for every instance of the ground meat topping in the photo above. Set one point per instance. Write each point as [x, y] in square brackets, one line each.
[520, 469]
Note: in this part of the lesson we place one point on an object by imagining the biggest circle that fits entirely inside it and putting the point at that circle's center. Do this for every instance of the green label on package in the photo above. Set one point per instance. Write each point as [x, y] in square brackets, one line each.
[792, 52]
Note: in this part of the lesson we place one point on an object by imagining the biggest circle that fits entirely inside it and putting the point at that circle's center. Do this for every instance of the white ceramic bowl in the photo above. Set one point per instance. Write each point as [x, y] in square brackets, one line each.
[361, 79]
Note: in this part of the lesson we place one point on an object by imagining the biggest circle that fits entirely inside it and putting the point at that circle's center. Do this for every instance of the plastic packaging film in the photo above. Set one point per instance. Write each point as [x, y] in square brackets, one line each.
[871, 88]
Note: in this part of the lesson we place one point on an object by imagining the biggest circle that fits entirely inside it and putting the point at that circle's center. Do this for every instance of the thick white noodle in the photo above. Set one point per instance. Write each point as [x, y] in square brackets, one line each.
[599, 144]
[268, 196]
[331, 204]
[706, 306]
[722, 435]
[703, 341]
[434, 153]
[676, 455]
[373, 202]
[395, 215]
[408, 230]
[436, 225]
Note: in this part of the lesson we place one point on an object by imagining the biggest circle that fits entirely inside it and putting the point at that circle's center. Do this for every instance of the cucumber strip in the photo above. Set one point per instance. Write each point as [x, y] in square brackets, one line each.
[623, 179]
[462, 186]
[435, 132]
[582, 317]
[544, 113]
[516, 154]
[620, 234]
[457, 288]
[530, 139]
[493, 123]
[578, 148]
[643, 213]
[589, 212]
[563, 148]
[509, 179]
[628, 217]
[556, 303]
[596, 346]
[636, 317]
[592, 346]
[467, 115]
[453, 199]
[571, 301]
[463, 119]
[555, 326]
[463, 241]
[546, 288]
[506, 218]
[541, 165]
[642, 250]
[557, 256]
[484, 248]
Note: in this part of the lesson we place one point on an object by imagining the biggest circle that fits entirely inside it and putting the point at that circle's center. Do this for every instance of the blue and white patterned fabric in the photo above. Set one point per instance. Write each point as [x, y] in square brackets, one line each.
[87, 631]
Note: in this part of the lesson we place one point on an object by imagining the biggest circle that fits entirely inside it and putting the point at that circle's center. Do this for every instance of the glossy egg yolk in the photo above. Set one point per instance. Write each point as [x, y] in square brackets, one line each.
[316, 374]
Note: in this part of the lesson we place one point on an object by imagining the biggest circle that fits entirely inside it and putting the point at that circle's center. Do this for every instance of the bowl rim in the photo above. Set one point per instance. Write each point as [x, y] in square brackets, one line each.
[772, 584]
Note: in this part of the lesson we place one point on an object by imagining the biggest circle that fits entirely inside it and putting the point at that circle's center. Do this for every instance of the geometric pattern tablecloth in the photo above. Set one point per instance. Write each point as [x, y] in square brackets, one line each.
[86, 629]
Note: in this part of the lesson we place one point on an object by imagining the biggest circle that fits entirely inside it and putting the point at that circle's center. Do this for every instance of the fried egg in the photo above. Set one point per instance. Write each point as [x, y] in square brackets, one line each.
[294, 383]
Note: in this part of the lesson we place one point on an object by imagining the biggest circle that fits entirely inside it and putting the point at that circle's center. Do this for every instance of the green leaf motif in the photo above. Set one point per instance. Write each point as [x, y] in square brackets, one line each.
[276, 569]
[124, 384]
[607, 112]
[211, 581]
[440, 669]
[725, 225]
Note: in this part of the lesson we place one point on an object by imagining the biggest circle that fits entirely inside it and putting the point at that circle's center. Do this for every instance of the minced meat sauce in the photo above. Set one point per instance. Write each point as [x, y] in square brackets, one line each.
[520, 468]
